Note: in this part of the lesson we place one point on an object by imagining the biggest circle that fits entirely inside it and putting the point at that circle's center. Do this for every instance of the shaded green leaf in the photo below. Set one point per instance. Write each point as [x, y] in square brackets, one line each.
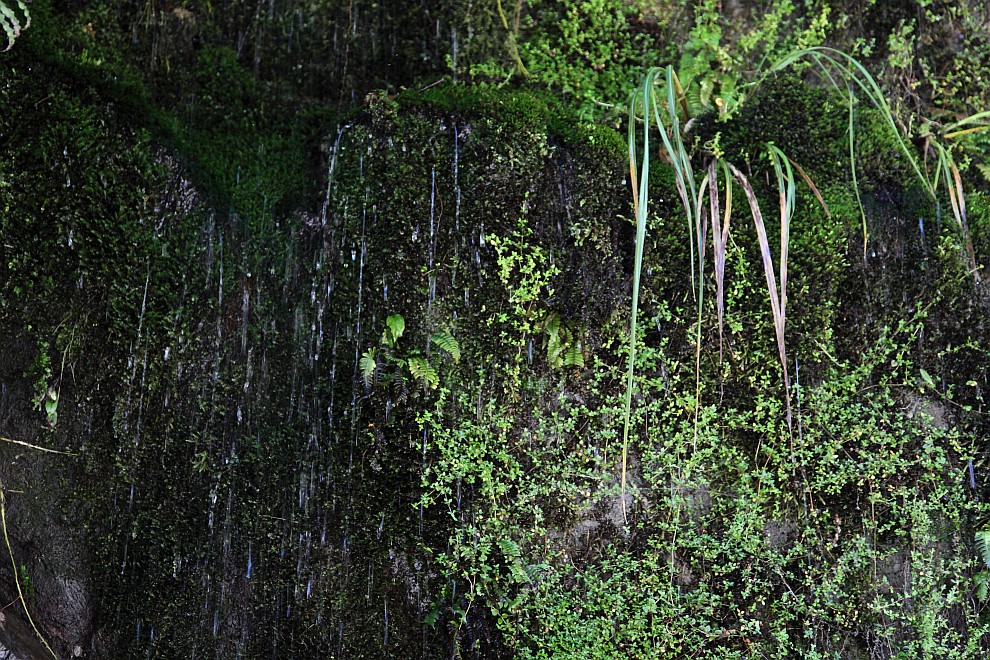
[983, 545]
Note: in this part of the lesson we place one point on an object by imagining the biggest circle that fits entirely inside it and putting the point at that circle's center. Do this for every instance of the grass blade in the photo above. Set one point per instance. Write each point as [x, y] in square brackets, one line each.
[640, 196]
[775, 298]
[812, 186]
[720, 239]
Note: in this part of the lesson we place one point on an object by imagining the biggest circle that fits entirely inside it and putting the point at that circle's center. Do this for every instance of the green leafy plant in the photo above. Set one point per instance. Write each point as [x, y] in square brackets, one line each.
[662, 102]
[390, 363]
[982, 578]
[563, 343]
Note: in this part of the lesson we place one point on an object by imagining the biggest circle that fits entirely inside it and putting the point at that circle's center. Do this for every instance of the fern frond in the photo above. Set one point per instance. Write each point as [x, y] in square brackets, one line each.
[558, 345]
[552, 323]
[574, 356]
[983, 545]
[982, 580]
[446, 342]
[423, 370]
[513, 554]
[367, 365]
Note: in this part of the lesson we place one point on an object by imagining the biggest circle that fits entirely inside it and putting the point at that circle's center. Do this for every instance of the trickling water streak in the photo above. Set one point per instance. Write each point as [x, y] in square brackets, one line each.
[331, 166]
[924, 242]
[457, 185]
[432, 289]
[364, 247]
[245, 305]
[131, 359]
[433, 198]
[220, 289]
[385, 643]
[144, 371]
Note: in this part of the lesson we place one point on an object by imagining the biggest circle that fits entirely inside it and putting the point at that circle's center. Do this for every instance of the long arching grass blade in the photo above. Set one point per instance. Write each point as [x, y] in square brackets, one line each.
[720, 239]
[17, 580]
[640, 205]
[956, 129]
[852, 167]
[946, 168]
[786, 189]
[775, 298]
[677, 154]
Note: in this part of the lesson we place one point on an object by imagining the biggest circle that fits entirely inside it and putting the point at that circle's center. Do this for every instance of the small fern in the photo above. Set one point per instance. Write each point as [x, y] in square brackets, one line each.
[556, 339]
[982, 580]
[446, 342]
[11, 22]
[563, 343]
[423, 370]
[574, 356]
[368, 365]
[983, 545]
[513, 554]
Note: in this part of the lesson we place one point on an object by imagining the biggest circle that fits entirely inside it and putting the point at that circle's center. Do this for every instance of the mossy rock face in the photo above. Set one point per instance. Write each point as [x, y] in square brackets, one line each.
[233, 474]
[203, 295]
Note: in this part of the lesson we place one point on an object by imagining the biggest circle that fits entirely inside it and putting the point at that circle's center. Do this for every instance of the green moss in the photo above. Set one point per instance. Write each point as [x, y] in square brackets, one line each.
[526, 110]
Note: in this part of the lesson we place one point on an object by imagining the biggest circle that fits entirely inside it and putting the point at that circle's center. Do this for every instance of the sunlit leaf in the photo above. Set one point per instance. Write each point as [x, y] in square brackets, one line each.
[446, 342]
[367, 365]
[396, 325]
[424, 371]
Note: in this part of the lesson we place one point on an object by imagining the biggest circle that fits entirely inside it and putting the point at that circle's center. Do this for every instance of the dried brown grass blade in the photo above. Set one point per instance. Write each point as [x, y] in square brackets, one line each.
[30, 446]
[963, 221]
[812, 186]
[720, 239]
[776, 299]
